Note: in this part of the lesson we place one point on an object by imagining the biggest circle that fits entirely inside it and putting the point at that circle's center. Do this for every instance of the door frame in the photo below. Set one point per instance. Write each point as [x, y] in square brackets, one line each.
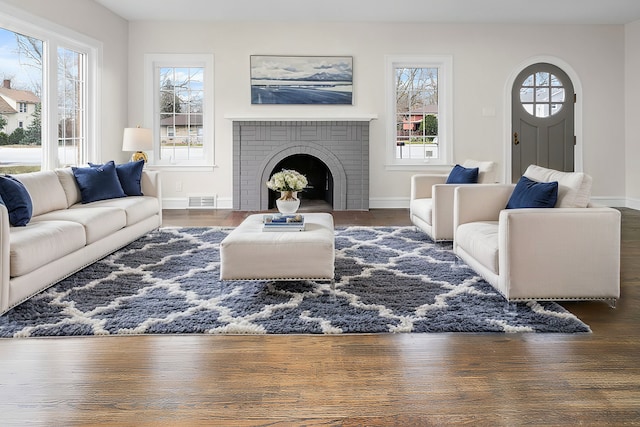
[577, 87]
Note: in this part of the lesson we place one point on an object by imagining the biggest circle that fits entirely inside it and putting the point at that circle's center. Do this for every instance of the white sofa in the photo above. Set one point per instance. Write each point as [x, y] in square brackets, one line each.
[570, 252]
[65, 235]
[431, 203]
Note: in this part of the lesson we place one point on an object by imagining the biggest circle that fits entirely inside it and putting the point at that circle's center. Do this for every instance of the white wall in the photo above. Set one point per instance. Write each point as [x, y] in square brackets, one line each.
[632, 93]
[92, 20]
[484, 57]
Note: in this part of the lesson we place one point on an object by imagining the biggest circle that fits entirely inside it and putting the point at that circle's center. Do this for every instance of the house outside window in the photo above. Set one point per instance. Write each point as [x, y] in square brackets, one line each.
[23, 107]
[419, 128]
[181, 102]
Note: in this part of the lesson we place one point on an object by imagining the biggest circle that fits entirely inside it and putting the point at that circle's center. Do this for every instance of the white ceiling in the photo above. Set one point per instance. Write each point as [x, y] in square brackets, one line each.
[481, 11]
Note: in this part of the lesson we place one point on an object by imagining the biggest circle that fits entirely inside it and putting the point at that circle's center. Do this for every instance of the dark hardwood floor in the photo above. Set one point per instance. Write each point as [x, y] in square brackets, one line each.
[353, 380]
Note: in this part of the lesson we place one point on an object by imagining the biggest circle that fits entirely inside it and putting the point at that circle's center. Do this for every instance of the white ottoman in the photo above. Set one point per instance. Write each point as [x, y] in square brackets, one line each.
[248, 253]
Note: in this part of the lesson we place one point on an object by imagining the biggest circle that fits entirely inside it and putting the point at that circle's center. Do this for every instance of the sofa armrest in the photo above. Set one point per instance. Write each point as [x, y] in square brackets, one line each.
[4, 258]
[421, 184]
[575, 251]
[484, 202]
[150, 183]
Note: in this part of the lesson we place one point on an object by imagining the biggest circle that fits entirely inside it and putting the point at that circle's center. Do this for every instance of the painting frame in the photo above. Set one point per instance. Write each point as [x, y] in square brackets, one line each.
[301, 80]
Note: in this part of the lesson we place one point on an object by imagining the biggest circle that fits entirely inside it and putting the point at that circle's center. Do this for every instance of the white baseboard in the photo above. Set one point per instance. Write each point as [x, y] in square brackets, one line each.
[393, 202]
[183, 203]
[389, 203]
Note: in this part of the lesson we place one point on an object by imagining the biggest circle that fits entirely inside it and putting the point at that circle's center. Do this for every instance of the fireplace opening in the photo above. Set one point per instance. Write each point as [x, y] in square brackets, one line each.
[320, 189]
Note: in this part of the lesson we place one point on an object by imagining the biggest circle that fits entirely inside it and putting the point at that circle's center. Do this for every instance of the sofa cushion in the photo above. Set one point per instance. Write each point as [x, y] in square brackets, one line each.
[42, 242]
[533, 194]
[45, 190]
[98, 183]
[69, 185]
[17, 200]
[480, 240]
[486, 170]
[135, 209]
[462, 175]
[574, 188]
[97, 221]
[129, 175]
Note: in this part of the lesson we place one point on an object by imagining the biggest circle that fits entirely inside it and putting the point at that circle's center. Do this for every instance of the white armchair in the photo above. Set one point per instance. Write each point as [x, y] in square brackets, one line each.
[570, 253]
[431, 203]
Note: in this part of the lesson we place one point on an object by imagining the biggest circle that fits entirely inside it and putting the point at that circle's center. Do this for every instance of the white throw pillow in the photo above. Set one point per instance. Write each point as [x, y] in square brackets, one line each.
[486, 170]
[574, 188]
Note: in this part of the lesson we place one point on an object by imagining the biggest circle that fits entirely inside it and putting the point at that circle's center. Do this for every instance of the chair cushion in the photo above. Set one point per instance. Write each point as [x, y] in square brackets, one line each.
[480, 240]
[17, 200]
[461, 175]
[98, 183]
[574, 188]
[422, 208]
[533, 194]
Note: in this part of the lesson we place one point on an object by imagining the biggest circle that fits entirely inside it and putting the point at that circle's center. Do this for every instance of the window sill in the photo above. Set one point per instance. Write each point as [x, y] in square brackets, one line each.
[182, 168]
[419, 167]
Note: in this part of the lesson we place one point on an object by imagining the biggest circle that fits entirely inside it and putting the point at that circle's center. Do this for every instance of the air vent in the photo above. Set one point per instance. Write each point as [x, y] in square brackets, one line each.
[205, 201]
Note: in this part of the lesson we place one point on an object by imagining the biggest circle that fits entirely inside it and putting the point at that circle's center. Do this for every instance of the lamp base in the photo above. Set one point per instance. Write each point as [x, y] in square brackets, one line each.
[139, 155]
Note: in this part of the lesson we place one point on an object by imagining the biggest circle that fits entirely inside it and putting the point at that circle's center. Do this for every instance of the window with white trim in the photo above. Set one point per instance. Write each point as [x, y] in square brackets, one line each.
[179, 108]
[419, 114]
[56, 69]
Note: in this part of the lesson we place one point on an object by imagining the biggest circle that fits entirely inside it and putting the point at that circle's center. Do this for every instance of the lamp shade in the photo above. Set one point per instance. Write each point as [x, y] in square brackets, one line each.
[137, 139]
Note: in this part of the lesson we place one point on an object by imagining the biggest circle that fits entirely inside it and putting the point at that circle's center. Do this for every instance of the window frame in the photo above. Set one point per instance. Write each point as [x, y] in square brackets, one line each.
[444, 63]
[54, 36]
[152, 63]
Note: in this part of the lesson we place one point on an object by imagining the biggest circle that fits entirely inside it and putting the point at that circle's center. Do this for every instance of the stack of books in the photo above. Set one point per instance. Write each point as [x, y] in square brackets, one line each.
[281, 222]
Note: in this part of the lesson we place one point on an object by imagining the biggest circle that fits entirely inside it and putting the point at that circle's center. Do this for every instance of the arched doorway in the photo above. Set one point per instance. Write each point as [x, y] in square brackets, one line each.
[542, 119]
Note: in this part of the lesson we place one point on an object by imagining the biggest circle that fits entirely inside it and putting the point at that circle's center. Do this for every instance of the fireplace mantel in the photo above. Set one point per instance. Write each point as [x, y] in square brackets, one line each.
[300, 118]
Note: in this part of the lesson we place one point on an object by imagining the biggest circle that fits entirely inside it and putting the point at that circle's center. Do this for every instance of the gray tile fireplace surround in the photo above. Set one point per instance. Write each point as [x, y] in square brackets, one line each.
[258, 146]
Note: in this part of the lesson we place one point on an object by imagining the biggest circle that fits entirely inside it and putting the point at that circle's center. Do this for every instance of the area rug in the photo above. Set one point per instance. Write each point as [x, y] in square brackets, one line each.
[388, 280]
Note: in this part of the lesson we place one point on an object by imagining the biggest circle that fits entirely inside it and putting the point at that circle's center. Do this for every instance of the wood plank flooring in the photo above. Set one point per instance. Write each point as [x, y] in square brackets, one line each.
[354, 380]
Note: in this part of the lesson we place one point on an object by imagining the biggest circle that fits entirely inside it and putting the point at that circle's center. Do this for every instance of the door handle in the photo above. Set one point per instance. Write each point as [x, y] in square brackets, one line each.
[516, 141]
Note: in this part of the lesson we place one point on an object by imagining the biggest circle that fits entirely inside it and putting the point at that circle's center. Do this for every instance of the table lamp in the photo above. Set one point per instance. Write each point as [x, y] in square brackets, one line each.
[137, 139]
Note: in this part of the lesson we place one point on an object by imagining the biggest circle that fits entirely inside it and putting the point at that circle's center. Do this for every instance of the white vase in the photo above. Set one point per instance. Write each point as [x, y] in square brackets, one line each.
[288, 203]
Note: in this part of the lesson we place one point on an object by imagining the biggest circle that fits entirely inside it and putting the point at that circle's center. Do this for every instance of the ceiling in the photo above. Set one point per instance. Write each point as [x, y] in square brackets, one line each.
[463, 11]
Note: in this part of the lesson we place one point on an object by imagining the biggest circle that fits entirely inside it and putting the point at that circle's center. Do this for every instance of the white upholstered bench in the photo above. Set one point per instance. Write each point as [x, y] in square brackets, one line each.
[248, 253]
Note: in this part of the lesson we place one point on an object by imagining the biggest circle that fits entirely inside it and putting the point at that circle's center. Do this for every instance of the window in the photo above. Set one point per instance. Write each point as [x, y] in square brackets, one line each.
[419, 110]
[54, 81]
[180, 109]
[542, 94]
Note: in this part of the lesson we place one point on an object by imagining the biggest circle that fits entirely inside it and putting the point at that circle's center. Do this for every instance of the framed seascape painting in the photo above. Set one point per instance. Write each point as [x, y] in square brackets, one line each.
[301, 79]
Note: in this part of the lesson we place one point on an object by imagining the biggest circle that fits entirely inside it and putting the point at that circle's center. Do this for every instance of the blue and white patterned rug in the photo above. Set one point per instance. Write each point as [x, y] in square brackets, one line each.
[388, 279]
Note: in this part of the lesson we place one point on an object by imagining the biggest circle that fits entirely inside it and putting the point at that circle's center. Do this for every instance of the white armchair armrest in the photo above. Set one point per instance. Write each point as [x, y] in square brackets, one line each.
[480, 202]
[421, 185]
[562, 253]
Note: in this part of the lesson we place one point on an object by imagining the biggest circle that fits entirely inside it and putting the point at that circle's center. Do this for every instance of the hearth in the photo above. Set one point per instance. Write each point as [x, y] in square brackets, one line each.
[334, 155]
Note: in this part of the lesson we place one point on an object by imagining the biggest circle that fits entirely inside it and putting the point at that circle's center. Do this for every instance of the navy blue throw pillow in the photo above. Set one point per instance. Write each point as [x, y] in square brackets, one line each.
[16, 198]
[98, 183]
[462, 175]
[130, 176]
[533, 194]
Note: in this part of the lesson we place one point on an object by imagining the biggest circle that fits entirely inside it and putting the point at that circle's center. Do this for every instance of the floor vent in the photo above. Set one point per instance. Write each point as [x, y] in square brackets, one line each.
[208, 201]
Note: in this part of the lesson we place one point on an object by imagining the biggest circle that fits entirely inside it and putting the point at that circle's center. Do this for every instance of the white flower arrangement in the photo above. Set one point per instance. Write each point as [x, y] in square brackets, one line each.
[287, 180]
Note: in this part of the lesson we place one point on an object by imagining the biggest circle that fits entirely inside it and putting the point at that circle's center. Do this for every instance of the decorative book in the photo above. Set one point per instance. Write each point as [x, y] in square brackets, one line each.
[281, 222]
